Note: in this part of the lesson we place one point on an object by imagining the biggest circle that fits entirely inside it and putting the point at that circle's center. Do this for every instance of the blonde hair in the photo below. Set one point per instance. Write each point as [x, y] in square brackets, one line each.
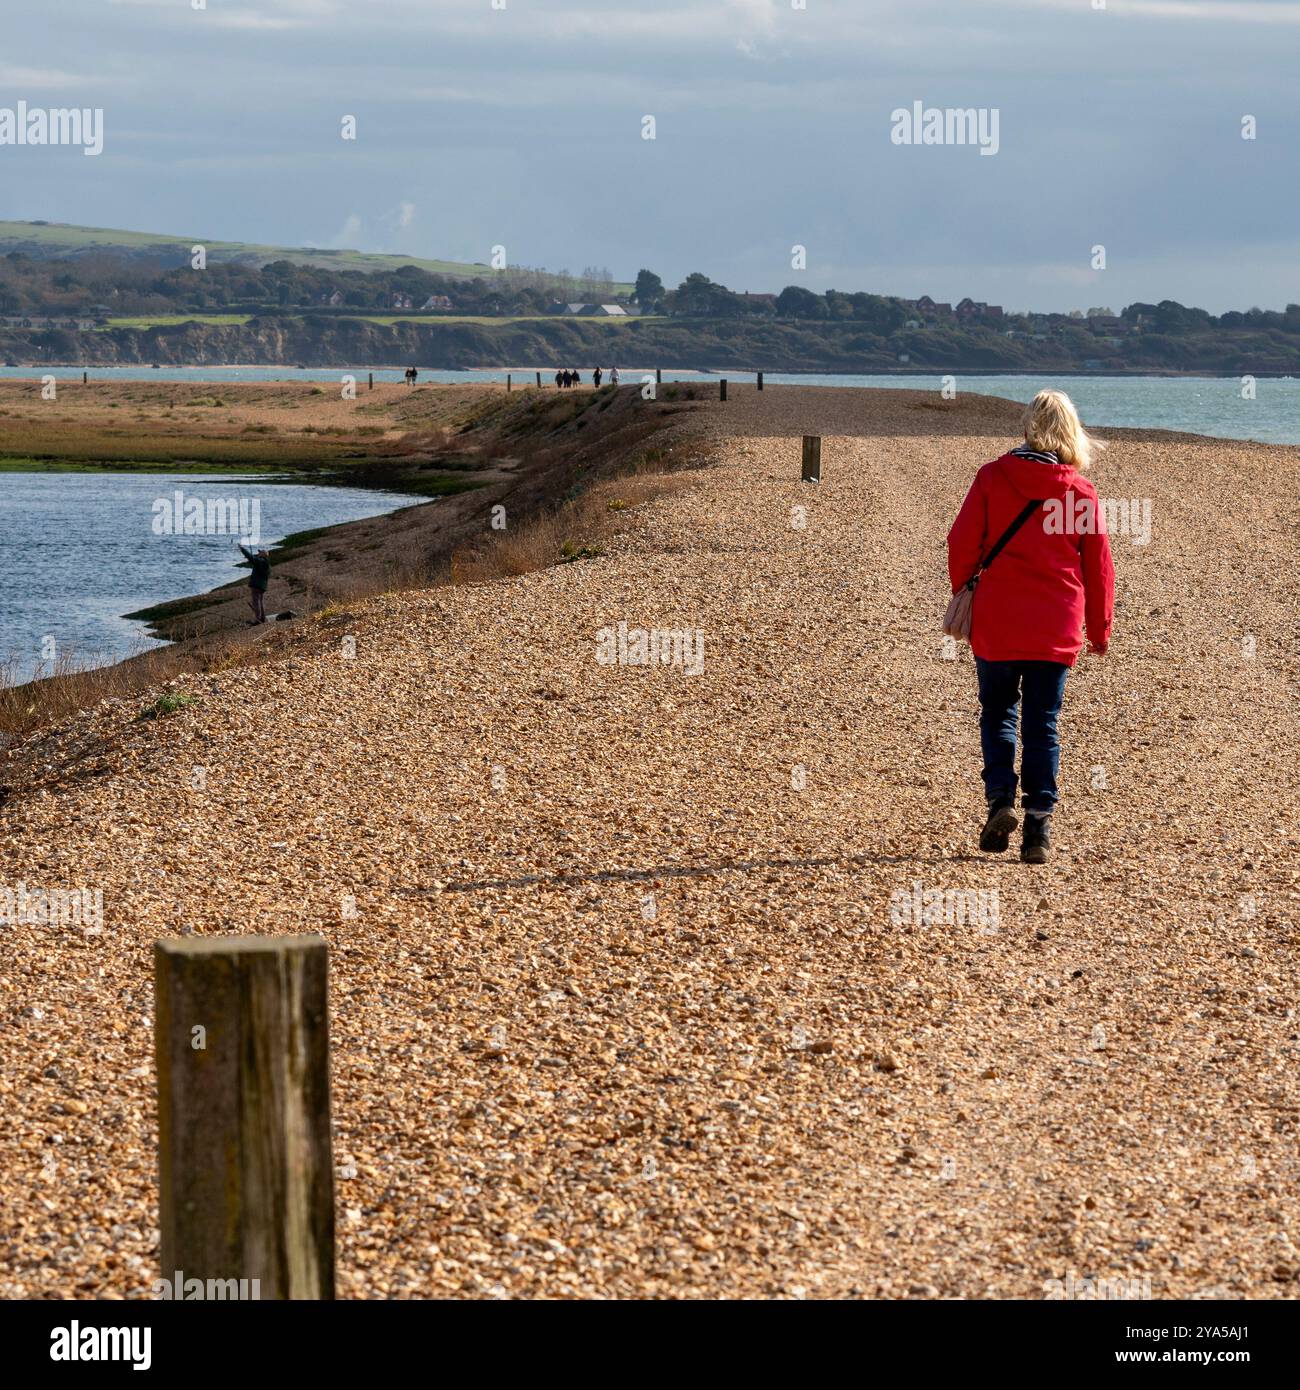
[1052, 424]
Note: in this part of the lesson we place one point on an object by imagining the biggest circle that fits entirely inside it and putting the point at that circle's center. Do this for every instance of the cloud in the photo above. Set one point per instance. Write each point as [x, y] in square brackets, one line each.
[251, 19]
[272, 14]
[1236, 11]
[758, 20]
[41, 79]
[348, 235]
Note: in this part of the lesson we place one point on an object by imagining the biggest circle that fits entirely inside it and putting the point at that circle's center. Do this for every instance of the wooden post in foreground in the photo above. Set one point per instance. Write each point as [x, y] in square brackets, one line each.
[539, 381]
[659, 377]
[85, 377]
[722, 389]
[812, 458]
[508, 386]
[372, 381]
[246, 1177]
[760, 381]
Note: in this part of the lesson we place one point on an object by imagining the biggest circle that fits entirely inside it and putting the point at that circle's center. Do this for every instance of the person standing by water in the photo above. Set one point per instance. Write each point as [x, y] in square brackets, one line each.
[613, 376]
[595, 377]
[1053, 578]
[559, 379]
[260, 564]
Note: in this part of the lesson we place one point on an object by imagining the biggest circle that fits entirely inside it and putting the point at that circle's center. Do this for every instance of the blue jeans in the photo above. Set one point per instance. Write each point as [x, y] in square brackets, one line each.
[1001, 684]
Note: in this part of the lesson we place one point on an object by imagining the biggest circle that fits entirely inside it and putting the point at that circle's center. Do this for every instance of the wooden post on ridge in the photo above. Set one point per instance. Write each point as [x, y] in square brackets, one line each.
[372, 381]
[812, 458]
[85, 376]
[722, 389]
[659, 377]
[539, 381]
[508, 386]
[246, 1176]
[760, 381]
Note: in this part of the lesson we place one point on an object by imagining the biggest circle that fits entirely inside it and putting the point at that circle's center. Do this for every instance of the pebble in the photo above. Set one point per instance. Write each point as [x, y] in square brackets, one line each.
[624, 878]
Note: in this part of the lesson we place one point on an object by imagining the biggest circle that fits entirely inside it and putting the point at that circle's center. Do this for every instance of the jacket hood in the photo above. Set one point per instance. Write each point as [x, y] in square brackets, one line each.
[1032, 479]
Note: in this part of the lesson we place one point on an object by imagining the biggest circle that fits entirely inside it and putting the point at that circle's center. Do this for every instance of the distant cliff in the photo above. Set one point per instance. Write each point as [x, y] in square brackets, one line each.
[546, 343]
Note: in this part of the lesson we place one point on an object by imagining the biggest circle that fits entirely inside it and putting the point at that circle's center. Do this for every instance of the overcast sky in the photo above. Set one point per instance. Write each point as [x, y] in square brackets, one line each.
[522, 126]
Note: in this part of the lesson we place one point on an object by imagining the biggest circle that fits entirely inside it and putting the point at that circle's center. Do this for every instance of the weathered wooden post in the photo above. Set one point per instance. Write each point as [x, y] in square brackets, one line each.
[85, 377]
[659, 377]
[760, 381]
[246, 1177]
[722, 389]
[372, 381]
[508, 386]
[812, 458]
[539, 381]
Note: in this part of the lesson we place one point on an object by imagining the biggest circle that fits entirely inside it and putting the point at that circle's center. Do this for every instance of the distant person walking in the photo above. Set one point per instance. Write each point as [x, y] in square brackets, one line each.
[595, 376]
[260, 563]
[613, 376]
[559, 379]
[1052, 578]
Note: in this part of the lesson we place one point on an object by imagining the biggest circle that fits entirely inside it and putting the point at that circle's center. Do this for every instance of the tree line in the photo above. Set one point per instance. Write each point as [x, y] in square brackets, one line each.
[114, 285]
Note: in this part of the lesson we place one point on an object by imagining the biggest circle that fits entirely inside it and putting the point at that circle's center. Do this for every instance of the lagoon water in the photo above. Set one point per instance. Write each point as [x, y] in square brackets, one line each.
[1195, 405]
[78, 550]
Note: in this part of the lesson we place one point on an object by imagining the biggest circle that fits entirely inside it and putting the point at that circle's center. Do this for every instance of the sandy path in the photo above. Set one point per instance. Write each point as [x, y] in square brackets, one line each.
[624, 1012]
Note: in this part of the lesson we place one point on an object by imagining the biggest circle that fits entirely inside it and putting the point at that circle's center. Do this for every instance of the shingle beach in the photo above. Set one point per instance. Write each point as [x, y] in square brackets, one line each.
[629, 995]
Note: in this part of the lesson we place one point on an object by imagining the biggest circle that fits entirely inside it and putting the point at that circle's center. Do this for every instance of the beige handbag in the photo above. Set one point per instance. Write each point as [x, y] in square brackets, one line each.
[956, 621]
[957, 618]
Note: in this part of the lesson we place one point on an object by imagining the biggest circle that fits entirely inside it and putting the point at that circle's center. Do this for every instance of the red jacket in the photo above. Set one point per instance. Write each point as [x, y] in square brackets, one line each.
[1054, 573]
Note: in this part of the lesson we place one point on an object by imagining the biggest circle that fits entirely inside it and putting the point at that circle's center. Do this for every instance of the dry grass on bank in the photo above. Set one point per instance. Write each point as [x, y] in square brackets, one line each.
[579, 528]
[71, 687]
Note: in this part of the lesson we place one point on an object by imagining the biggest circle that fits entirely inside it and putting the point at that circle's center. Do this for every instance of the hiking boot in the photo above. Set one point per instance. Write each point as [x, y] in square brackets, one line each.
[997, 829]
[1037, 840]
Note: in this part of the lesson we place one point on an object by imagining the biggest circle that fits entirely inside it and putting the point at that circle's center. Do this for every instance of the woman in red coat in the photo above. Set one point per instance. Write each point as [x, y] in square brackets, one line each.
[1053, 578]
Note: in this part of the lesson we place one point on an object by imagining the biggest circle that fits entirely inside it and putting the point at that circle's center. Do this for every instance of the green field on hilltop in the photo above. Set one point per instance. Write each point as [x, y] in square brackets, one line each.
[58, 238]
[171, 320]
